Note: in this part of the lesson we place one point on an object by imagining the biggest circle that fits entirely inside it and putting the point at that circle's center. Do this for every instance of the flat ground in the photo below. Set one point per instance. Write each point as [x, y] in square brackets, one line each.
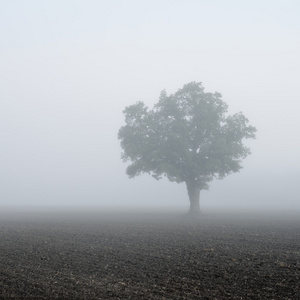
[102, 255]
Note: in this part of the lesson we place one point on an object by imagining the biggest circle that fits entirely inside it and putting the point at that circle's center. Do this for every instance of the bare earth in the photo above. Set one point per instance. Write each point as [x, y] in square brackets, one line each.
[102, 255]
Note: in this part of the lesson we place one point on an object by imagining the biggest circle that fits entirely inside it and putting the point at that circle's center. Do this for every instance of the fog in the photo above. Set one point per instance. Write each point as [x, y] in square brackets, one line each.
[69, 68]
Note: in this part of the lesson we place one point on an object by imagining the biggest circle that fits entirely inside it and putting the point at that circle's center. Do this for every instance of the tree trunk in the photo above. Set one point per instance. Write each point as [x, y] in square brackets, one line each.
[194, 196]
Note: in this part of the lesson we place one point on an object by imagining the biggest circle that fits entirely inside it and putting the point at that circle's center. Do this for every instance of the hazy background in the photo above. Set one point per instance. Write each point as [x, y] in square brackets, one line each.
[68, 69]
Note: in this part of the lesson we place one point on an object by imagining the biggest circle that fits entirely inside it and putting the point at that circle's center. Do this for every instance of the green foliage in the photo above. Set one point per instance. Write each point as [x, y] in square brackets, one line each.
[187, 137]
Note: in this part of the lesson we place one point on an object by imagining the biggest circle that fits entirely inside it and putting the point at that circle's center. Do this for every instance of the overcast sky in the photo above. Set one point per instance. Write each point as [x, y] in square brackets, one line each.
[68, 69]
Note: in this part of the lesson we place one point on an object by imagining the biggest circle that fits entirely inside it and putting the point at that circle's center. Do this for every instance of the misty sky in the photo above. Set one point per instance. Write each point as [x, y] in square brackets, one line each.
[68, 69]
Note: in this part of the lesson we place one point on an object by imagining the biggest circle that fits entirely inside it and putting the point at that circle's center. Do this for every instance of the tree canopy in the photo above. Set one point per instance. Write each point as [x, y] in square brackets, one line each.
[187, 137]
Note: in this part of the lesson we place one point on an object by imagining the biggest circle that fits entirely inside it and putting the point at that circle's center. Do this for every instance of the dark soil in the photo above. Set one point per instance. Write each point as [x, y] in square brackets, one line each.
[95, 257]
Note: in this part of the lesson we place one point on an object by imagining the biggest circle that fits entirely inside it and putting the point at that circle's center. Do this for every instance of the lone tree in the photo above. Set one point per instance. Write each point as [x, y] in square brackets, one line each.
[186, 137]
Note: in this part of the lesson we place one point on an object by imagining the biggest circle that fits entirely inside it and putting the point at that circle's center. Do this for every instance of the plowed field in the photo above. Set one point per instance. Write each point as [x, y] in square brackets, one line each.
[50, 256]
